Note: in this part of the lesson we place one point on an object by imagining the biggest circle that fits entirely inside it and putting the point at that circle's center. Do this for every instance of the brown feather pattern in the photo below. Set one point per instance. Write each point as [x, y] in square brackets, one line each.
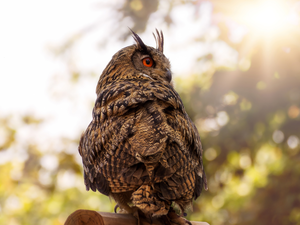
[141, 147]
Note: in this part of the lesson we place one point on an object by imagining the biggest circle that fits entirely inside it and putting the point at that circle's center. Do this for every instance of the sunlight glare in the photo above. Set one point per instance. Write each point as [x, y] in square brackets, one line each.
[266, 17]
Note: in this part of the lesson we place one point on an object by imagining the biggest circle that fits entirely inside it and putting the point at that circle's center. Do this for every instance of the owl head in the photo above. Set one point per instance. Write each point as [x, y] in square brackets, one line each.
[138, 61]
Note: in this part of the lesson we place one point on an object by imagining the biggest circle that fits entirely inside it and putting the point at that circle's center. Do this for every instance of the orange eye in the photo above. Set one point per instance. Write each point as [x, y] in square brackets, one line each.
[148, 62]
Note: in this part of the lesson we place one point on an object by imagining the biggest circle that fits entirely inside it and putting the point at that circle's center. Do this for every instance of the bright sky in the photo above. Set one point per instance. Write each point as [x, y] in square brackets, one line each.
[27, 28]
[27, 69]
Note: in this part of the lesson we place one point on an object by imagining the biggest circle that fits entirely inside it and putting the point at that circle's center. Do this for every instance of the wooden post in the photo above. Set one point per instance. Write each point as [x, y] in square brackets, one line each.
[90, 217]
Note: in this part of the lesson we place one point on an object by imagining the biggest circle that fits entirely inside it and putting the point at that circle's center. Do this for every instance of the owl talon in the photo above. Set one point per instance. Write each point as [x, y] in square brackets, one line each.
[175, 219]
[140, 216]
[116, 208]
[137, 216]
[183, 214]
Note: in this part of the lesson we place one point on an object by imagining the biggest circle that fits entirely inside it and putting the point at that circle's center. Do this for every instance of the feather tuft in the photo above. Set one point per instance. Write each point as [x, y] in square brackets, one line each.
[139, 43]
[159, 39]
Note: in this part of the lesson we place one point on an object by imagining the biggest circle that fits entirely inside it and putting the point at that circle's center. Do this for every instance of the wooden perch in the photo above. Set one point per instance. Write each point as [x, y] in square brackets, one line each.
[89, 217]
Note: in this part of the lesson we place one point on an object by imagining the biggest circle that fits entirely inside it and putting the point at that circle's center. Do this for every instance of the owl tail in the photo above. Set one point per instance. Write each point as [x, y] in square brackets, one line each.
[149, 203]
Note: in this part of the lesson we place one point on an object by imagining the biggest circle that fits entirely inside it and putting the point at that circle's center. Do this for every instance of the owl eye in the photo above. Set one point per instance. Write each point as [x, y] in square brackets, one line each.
[148, 62]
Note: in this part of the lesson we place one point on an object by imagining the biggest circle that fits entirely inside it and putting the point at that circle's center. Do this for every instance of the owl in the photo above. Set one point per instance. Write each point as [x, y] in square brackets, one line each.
[141, 148]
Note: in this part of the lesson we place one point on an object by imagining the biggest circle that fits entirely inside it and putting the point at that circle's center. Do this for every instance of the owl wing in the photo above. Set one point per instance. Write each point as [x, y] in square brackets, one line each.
[109, 145]
[183, 158]
[104, 147]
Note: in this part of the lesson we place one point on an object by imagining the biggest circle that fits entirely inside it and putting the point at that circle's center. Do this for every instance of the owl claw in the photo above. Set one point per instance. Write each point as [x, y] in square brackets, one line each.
[116, 208]
[183, 214]
[139, 215]
[173, 218]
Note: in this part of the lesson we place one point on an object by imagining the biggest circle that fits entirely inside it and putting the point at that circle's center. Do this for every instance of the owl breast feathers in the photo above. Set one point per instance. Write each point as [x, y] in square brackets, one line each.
[141, 147]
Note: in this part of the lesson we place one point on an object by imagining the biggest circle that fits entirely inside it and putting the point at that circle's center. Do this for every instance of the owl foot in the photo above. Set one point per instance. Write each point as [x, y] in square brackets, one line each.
[122, 210]
[116, 208]
[136, 215]
[172, 218]
[140, 216]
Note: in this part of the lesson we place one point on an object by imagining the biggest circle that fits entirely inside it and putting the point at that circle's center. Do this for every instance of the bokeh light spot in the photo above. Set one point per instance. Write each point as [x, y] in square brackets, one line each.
[45, 177]
[49, 162]
[245, 161]
[66, 179]
[136, 5]
[261, 85]
[217, 201]
[209, 125]
[222, 118]
[276, 75]
[243, 189]
[295, 215]
[244, 64]
[245, 105]
[293, 112]
[278, 136]
[210, 154]
[54, 207]
[278, 118]
[12, 203]
[94, 202]
[293, 141]
[230, 98]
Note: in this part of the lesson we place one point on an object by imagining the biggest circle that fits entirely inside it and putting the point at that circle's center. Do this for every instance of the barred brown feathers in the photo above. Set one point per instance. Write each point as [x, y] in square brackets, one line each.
[141, 147]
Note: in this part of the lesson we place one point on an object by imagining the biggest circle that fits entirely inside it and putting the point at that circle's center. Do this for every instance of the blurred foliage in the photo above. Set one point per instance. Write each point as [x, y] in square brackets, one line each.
[139, 11]
[248, 117]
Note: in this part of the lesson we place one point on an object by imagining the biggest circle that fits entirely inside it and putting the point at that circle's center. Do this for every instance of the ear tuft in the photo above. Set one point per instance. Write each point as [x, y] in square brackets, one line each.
[139, 43]
[159, 40]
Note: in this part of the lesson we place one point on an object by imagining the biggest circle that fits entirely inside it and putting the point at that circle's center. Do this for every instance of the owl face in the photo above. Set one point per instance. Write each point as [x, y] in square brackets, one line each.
[150, 61]
[138, 60]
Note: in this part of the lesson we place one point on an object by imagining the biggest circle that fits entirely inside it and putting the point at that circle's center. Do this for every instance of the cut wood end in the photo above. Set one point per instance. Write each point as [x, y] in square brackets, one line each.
[84, 217]
[90, 217]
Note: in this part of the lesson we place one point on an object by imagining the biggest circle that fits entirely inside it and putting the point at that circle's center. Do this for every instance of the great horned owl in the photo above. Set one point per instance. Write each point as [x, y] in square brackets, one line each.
[141, 148]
